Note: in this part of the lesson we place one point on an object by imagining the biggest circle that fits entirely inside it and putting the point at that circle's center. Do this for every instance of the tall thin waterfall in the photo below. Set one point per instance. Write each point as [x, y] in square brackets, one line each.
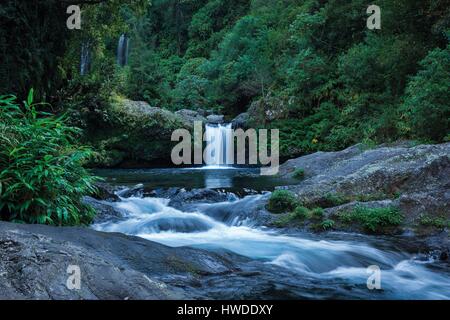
[85, 61]
[122, 50]
[220, 151]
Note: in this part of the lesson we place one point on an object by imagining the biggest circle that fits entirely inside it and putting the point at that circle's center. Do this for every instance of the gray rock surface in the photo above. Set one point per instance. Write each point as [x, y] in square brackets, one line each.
[190, 116]
[414, 179]
[215, 119]
[35, 258]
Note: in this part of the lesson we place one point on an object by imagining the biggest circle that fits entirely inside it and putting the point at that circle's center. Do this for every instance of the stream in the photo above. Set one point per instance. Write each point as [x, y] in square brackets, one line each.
[335, 264]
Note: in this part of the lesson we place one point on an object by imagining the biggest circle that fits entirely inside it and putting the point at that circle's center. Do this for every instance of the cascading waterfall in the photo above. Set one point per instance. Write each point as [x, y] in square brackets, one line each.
[220, 151]
[122, 50]
[85, 61]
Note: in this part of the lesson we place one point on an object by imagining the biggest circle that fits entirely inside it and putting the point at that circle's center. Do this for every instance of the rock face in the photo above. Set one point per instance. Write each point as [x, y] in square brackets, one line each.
[414, 179]
[112, 266]
[241, 121]
[215, 119]
[184, 198]
[37, 262]
[135, 134]
[190, 116]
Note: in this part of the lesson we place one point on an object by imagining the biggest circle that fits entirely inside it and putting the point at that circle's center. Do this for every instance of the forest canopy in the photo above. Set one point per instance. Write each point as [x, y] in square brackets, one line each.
[333, 81]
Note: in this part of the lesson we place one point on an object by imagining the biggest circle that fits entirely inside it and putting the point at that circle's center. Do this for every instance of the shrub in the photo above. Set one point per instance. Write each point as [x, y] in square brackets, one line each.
[317, 213]
[302, 213]
[374, 219]
[327, 224]
[42, 179]
[299, 174]
[438, 222]
[282, 201]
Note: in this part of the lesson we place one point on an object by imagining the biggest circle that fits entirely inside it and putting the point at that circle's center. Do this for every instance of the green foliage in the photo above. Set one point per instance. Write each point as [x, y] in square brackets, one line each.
[282, 201]
[302, 213]
[436, 222]
[299, 173]
[327, 224]
[317, 213]
[426, 107]
[42, 179]
[373, 219]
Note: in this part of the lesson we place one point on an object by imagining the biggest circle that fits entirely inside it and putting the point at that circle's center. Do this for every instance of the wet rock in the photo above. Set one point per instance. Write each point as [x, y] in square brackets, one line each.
[215, 119]
[241, 121]
[164, 193]
[137, 191]
[184, 198]
[106, 192]
[35, 260]
[105, 211]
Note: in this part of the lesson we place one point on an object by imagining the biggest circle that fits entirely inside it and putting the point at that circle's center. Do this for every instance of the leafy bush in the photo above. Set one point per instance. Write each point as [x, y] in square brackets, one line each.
[317, 213]
[282, 201]
[42, 179]
[374, 219]
[437, 222]
[299, 173]
[327, 224]
[302, 213]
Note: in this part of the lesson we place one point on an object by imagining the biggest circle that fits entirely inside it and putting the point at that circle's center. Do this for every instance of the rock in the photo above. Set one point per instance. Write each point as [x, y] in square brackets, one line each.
[136, 135]
[137, 191]
[268, 109]
[241, 121]
[164, 193]
[104, 210]
[182, 199]
[190, 116]
[106, 192]
[35, 260]
[215, 119]
[414, 179]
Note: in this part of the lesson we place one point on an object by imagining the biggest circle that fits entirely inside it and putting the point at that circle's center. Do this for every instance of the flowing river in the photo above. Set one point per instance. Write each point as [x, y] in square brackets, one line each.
[336, 263]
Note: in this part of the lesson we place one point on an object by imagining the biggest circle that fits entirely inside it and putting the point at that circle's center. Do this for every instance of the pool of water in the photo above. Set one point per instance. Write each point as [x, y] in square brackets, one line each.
[229, 178]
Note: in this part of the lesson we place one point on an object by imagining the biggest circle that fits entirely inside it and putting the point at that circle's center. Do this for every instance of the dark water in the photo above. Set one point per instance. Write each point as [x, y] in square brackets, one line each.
[231, 179]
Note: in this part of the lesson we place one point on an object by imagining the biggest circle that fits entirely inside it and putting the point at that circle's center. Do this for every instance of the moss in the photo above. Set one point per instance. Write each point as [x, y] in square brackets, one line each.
[299, 174]
[435, 222]
[317, 213]
[302, 213]
[373, 219]
[282, 201]
[327, 224]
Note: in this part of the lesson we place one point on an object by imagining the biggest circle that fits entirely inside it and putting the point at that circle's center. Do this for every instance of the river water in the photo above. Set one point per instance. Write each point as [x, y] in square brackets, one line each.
[337, 261]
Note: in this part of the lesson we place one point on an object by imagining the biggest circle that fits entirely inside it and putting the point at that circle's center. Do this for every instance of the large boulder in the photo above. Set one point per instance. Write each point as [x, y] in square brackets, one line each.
[185, 198]
[215, 119]
[191, 116]
[135, 135]
[268, 109]
[414, 179]
[241, 121]
[35, 265]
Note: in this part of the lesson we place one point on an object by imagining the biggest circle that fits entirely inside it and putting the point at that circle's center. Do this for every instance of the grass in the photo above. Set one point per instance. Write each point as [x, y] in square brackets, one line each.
[299, 174]
[436, 222]
[282, 201]
[373, 219]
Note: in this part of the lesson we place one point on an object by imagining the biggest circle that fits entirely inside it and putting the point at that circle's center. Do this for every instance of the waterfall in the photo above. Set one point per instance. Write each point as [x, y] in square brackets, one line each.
[85, 61]
[220, 151]
[122, 50]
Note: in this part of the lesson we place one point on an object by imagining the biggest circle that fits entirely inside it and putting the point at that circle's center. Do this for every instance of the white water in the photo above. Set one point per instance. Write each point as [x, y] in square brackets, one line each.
[326, 261]
[122, 50]
[219, 152]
